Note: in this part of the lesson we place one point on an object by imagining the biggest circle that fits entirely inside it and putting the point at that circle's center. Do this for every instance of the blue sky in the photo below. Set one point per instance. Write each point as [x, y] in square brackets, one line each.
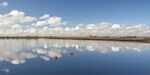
[86, 11]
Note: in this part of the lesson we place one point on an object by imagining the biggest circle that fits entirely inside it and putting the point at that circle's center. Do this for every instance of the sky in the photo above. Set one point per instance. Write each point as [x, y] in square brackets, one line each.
[86, 11]
[74, 15]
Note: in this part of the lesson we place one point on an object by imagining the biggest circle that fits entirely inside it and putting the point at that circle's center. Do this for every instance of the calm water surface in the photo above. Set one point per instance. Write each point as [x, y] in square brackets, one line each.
[72, 57]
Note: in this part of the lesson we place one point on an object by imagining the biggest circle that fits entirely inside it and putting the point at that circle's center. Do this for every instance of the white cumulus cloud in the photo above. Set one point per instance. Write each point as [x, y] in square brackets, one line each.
[55, 21]
[45, 16]
[15, 17]
[3, 4]
[50, 21]
[18, 23]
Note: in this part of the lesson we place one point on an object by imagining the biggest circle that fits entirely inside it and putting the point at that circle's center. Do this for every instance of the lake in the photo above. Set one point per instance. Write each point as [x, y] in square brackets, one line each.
[73, 57]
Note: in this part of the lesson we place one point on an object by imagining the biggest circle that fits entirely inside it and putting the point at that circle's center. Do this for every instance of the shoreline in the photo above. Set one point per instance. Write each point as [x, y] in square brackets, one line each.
[143, 39]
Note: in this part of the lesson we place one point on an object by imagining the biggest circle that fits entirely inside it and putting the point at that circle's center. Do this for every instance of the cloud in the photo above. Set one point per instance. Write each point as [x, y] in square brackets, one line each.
[40, 23]
[3, 4]
[55, 21]
[45, 16]
[15, 17]
[50, 21]
[18, 23]
[16, 27]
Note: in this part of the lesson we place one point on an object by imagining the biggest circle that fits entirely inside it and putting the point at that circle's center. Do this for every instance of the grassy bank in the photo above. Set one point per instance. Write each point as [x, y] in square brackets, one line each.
[106, 38]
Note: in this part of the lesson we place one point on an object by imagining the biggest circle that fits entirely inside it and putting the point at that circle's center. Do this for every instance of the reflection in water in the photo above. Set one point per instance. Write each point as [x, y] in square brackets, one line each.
[5, 70]
[18, 51]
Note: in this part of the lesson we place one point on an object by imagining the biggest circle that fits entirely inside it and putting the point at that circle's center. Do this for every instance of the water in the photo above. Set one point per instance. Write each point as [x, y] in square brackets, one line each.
[72, 57]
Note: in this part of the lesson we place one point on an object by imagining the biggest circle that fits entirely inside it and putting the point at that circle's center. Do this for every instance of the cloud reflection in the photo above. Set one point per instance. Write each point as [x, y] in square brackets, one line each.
[5, 70]
[18, 51]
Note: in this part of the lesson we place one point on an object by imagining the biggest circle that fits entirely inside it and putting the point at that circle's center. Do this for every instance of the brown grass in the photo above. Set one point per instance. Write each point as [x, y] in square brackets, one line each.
[106, 38]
